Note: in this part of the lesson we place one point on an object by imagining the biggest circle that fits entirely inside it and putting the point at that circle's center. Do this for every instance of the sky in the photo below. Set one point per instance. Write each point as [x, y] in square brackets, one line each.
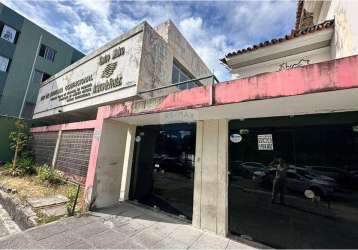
[213, 28]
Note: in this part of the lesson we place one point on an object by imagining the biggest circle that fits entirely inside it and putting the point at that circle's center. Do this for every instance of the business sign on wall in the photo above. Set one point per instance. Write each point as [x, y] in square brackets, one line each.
[264, 142]
[110, 71]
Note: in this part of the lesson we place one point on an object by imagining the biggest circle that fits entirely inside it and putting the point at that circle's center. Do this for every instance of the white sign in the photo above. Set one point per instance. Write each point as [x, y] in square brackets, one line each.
[4, 62]
[235, 138]
[8, 34]
[265, 142]
[96, 81]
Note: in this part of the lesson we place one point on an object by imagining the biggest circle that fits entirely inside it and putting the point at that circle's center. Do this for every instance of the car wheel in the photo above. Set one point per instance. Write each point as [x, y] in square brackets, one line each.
[313, 193]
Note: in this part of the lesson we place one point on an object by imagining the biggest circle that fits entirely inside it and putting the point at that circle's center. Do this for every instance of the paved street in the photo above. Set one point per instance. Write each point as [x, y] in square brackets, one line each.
[123, 226]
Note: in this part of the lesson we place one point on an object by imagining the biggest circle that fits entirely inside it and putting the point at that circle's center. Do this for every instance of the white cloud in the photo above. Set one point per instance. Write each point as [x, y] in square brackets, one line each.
[210, 47]
[212, 28]
[99, 7]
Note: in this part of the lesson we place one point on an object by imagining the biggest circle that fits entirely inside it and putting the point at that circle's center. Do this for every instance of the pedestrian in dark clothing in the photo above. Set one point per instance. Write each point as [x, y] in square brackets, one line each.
[279, 181]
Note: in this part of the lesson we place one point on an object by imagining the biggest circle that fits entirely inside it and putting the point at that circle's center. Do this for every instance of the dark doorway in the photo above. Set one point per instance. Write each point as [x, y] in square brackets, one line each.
[163, 168]
[317, 178]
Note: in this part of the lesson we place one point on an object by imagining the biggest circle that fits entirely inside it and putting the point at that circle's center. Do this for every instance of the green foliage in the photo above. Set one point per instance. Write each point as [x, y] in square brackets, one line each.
[48, 175]
[71, 196]
[7, 165]
[18, 139]
[24, 166]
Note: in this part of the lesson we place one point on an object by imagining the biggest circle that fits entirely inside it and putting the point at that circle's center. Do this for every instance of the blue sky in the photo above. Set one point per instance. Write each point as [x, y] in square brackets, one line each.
[213, 28]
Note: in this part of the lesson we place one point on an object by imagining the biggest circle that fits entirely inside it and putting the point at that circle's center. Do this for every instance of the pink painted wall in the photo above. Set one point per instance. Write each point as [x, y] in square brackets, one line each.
[65, 126]
[191, 98]
[320, 77]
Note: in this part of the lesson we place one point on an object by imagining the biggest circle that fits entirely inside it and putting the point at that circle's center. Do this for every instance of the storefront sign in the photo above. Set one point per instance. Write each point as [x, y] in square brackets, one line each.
[235, 138]
[96, 81]
[265, 142]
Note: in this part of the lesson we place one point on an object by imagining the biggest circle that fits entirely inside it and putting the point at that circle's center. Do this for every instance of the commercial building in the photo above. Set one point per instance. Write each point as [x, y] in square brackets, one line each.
[25, 61]
[210, 152]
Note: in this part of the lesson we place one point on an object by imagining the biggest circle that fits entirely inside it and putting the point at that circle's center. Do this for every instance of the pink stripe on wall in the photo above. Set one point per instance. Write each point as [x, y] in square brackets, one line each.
[320, 77]
[66, 126]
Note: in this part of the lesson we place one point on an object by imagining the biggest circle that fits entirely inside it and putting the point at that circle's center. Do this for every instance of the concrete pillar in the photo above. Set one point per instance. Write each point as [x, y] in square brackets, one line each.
[210, 209]
[113, 156]
[127, 163]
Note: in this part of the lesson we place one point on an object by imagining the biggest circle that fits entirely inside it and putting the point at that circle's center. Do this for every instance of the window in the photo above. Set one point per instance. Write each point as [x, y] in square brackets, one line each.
[178, 75]
[45, 76]
[8, 34]
[47, 53]
[4, 63]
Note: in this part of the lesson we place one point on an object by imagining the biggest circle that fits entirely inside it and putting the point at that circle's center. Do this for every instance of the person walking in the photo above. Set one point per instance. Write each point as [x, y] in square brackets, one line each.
[279, 181]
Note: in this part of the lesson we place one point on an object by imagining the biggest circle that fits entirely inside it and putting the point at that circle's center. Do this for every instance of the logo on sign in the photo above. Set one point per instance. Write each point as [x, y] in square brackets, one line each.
[109, 69]
[235, 138]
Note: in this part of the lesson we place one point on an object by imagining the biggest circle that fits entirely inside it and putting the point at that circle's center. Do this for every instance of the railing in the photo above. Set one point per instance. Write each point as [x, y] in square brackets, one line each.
[196, 81]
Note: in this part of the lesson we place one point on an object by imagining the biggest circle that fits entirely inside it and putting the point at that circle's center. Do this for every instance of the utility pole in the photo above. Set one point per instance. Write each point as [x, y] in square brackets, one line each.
[30, 78]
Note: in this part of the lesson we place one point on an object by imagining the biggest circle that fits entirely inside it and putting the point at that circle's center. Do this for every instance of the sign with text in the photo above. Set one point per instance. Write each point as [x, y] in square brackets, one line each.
[108, 72]
[265, 142]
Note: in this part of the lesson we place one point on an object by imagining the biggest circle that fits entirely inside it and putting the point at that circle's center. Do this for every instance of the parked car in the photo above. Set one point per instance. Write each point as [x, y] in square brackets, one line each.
[167, 163]
[340, 175]
[297, 182]
[309, 173]
[247, 169]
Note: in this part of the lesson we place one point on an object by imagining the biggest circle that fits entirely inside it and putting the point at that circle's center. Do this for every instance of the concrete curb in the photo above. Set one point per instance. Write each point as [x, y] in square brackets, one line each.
[23, 215]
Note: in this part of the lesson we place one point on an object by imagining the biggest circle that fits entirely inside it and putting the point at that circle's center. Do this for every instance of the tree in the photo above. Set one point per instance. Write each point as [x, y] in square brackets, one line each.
[18, 139]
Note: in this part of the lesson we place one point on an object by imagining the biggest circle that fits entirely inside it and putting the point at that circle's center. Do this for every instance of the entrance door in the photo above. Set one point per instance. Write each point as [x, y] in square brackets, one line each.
[295, 187]
[164, 168]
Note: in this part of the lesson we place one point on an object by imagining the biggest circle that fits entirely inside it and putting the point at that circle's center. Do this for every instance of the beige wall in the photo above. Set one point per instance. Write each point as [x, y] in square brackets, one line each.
[210, 210]
[160, 46]
[345, 42]
[110, 163]
[346, 23]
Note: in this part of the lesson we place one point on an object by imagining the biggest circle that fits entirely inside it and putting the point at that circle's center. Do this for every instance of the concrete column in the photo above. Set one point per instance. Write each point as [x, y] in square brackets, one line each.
[110, 162]
[210, 210]
[55, 153]
[127, 163]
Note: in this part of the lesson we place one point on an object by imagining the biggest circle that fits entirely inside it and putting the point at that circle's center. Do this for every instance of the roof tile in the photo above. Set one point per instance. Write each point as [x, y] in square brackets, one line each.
[294, 33]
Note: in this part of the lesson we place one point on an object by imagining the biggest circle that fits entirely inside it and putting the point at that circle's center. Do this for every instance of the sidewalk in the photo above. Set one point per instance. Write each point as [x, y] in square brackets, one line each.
[123, 226]
[7, 225]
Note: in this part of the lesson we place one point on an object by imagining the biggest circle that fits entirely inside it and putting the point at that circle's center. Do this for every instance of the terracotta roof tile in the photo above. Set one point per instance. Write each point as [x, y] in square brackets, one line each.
[294, 33]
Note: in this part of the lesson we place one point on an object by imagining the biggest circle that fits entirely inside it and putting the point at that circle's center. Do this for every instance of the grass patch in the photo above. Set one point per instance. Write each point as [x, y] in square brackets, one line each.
[30, 186]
